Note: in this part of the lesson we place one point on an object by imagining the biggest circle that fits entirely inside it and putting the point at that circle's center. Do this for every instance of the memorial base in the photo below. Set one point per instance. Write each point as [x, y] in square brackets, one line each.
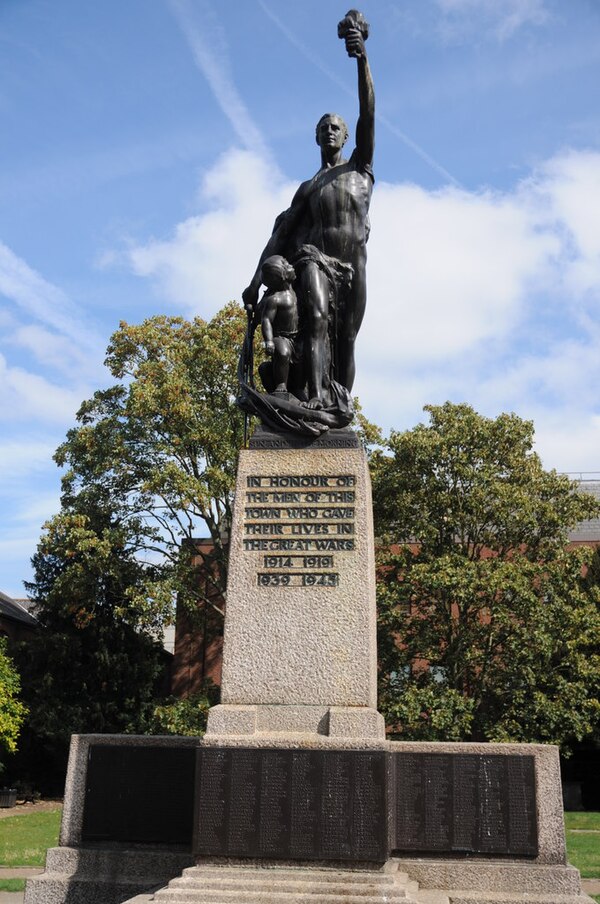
[227, 721]
[327, 820]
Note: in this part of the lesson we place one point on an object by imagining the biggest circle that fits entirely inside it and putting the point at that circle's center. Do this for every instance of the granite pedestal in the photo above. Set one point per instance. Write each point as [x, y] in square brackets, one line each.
[299, 650]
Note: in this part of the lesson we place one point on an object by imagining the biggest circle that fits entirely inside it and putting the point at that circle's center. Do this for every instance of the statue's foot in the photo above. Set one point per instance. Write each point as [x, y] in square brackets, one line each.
[314, 404]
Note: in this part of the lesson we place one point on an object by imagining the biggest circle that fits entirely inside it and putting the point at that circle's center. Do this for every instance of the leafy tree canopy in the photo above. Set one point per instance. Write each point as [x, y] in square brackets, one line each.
[12, 710]
[92, 665]
[149, 458]
[488, 627]
[158, 450]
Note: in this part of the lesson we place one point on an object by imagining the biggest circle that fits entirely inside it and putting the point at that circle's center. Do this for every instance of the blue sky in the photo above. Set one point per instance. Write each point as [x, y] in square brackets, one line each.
[147, 146]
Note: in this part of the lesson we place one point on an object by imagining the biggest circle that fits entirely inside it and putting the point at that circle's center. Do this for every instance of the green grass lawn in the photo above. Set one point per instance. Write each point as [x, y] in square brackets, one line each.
[12, 884]
[583, 847]
[582, 821]
[25, 839]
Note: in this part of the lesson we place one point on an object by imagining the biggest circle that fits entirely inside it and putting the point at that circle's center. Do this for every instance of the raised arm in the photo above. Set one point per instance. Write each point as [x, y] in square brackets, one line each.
[365, 127]
[355, 31]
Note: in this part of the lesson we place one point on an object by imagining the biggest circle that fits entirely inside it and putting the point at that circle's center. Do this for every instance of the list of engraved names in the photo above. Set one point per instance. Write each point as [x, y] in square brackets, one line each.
[302, 525]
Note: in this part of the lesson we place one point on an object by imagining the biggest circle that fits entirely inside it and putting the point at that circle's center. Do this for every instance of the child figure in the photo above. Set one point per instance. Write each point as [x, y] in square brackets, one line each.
[280, 320]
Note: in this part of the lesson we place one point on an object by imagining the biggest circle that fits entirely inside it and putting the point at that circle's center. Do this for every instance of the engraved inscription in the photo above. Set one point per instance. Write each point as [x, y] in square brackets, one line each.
[305, 562]
[465, 803]
[306, 579]
[213, 781]
[438, 811]
[244, 789]
[274, 802]
[292, 804]
[299, 513]
[337, 809]
[370, 800]
[305, 796]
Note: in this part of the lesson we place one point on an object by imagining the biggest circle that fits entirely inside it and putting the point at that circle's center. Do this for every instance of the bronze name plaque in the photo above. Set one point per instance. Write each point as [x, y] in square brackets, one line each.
[296, 804]
[141, 795]
[464, 803]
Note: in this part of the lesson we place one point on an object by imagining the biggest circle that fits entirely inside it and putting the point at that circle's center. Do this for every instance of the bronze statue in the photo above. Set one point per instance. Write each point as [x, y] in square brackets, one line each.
[323, 236]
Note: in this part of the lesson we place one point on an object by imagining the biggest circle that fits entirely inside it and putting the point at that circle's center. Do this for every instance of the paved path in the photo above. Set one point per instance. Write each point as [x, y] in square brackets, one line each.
[20, 872]
[23, 872]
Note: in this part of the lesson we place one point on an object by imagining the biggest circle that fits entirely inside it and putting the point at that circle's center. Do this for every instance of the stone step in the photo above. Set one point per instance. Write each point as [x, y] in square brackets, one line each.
[300, 874]
[431, 896]
[480, 876]
[285, 885]
[458, 896]
[237, 896]
[305, 886]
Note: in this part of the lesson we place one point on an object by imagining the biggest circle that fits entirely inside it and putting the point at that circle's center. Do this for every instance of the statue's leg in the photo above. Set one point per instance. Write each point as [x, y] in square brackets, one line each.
[347, 331]
[281, 362]
[315, 294]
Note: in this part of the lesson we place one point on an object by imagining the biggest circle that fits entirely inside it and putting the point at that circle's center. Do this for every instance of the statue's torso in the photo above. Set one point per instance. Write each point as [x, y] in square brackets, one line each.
[337, 201]
[286, 317]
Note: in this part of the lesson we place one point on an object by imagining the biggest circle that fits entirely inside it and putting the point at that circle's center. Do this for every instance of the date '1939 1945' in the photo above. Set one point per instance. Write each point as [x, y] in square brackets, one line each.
[304, 579]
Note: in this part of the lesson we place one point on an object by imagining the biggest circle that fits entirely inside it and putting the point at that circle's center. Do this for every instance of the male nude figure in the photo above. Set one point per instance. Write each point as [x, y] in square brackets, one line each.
[330, 213]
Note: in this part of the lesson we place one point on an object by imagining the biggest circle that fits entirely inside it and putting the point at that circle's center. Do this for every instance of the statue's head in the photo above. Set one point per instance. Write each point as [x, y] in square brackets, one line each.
[276, 271]
[331, 131]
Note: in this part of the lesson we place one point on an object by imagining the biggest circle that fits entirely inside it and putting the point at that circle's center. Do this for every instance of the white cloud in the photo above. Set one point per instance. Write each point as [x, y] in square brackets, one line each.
[25, 395]
[39, 299]
[212, 257]
[52, 350]
[569, 187]
[21, 457]
[37, 509]
[52, 357]
[568, 442]
[502, 19]
[451, 268]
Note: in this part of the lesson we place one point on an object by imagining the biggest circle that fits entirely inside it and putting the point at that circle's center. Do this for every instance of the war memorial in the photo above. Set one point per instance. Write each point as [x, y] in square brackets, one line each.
[294, 793]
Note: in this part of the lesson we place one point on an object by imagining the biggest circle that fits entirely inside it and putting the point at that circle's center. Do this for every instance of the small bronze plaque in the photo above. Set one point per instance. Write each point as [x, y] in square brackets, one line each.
[292, 804]
[465, 803]
[141, 795]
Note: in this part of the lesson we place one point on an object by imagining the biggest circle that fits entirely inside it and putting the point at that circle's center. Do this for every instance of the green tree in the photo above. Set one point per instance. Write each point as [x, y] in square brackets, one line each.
[93, 665]
[12, 710]
[488, 628]
[184, 715]
[150, 463]
[159, 449]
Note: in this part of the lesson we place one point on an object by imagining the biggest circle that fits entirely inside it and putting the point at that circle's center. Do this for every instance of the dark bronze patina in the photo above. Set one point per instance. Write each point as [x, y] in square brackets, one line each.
[314, 269]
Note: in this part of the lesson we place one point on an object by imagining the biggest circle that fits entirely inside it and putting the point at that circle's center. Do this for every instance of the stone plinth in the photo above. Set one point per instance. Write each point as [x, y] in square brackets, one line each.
[300, 630]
